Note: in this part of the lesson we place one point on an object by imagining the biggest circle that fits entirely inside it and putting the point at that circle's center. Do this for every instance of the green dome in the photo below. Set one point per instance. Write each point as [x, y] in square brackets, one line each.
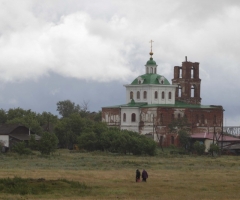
[151, 79]
[151, 62]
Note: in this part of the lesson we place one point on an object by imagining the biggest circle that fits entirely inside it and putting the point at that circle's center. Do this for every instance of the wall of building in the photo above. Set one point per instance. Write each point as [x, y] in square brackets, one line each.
[5, 140]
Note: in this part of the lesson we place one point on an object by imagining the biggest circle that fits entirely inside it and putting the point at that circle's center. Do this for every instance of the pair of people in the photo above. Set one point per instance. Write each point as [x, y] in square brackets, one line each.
[144, 175]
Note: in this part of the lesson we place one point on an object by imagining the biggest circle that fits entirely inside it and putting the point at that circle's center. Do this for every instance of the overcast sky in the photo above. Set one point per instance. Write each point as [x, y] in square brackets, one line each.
[53, 50]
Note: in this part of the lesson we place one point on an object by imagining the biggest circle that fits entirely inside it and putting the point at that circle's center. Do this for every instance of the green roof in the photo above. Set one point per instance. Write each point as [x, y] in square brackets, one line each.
[150, 79]
[151, 62]
[178, 104]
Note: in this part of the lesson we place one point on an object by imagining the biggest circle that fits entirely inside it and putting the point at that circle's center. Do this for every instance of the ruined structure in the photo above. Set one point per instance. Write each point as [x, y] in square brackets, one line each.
[152, 103]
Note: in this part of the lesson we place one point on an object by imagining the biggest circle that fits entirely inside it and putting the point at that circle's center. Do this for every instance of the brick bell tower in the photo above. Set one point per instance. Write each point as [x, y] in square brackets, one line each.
[187, 79]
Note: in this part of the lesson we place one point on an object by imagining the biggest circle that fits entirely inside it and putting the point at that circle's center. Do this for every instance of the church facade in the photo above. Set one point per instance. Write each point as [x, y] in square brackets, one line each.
[152, 103]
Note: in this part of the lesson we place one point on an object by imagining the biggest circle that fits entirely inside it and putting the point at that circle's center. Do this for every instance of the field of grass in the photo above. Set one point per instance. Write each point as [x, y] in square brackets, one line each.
[96, 175]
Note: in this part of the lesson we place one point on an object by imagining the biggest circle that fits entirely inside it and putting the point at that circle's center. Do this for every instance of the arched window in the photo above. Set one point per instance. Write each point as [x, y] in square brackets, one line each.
[131, 95]
[163, 95]
[156, 94]
[179, 115]
[133, 117]
[124, 117]
[193, 91]
[161, 118]
[169, 95]
[179, 92]
[145, 94]
[197, 119]
[192, 72]
[172, 139]
[202, 119]
[180, 73]
[139, 81]
[138, 95]
[214, 119]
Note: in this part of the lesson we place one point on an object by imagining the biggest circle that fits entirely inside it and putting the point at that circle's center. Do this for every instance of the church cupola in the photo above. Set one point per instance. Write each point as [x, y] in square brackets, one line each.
[151, 66]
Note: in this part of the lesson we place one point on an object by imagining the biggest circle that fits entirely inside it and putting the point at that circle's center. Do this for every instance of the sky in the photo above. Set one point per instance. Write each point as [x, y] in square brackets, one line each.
[85, 51]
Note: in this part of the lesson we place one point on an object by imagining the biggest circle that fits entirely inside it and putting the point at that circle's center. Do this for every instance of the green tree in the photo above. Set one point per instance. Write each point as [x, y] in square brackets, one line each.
[48, 143]
[184, 139]
[21, 148]
[67, 107]
[199, 147]
[3, 116]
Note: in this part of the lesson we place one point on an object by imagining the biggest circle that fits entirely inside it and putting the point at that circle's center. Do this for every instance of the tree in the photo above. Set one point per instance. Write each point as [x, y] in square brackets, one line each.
[179, 124]
[184, 139]
[199, 147]
[67, 107]
[3, 116]
[48, 143]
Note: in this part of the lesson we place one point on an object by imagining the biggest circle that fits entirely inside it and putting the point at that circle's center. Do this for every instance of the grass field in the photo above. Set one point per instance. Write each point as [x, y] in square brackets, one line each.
[108, 176]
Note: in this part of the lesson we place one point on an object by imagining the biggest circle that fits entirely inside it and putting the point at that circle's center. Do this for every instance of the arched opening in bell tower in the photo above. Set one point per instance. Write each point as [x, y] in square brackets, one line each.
[193, 90]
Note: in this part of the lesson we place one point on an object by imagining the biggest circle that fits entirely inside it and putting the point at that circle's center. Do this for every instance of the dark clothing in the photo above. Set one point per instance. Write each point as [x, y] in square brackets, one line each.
[144, 176]
[138, 175]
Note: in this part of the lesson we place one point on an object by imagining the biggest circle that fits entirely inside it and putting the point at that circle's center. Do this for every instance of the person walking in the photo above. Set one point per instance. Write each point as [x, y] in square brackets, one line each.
[144, 175]
[138, 175]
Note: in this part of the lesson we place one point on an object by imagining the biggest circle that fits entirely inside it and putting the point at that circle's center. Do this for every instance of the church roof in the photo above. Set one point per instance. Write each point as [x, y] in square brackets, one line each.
[151, 62]
[178, 104]
[151, 79]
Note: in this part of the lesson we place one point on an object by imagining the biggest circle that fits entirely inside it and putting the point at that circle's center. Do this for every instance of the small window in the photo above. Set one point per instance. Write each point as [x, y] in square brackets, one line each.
[161, 118]
[179, 115]
[138, 95]
[133, 117]
[214, 119]
[131, 95]
[144, 94]
[156, 94]
[124, 117]
[169, 95]
[197, 119]
[202, 119]
[179, 91]
[139, 81]
[172, 139]
[163, 95]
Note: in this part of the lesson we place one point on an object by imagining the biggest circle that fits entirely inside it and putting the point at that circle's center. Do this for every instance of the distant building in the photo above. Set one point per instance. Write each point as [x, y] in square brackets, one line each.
[10, 134]
[152, 103]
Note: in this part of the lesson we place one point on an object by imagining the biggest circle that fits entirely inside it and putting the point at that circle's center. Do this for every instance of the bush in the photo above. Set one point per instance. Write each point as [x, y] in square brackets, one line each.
[21, 149]
[214, 148]
[48, 143]
[199, 147]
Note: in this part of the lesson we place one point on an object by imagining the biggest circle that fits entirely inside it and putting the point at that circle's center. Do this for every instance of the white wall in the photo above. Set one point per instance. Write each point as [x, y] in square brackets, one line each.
[150, 89]
[5, 140]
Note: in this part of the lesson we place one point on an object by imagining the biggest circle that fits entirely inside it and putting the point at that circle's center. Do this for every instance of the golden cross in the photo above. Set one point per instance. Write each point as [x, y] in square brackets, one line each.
[151, 41]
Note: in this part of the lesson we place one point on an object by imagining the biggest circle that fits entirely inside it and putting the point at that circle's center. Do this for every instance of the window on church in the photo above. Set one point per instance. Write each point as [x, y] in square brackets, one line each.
[193, 91]
[124, 117]
[197, 119]
[179, 115]
[131, 95]
[133, 117]
[169, 95]
[172, 139]
[156, 94]
[192, 72]
[145, 94]
[161, 118]
[163, 95]
[139, 81]
[202, 119]
[138, 95]
[180, 73]
[179, 92]
[215, 119]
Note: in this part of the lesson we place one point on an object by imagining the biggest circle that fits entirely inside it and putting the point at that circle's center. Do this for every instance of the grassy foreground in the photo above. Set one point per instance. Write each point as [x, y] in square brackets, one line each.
[109, 176]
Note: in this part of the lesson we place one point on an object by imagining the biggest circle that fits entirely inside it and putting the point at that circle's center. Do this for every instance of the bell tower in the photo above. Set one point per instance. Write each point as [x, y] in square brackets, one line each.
[187, 79]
